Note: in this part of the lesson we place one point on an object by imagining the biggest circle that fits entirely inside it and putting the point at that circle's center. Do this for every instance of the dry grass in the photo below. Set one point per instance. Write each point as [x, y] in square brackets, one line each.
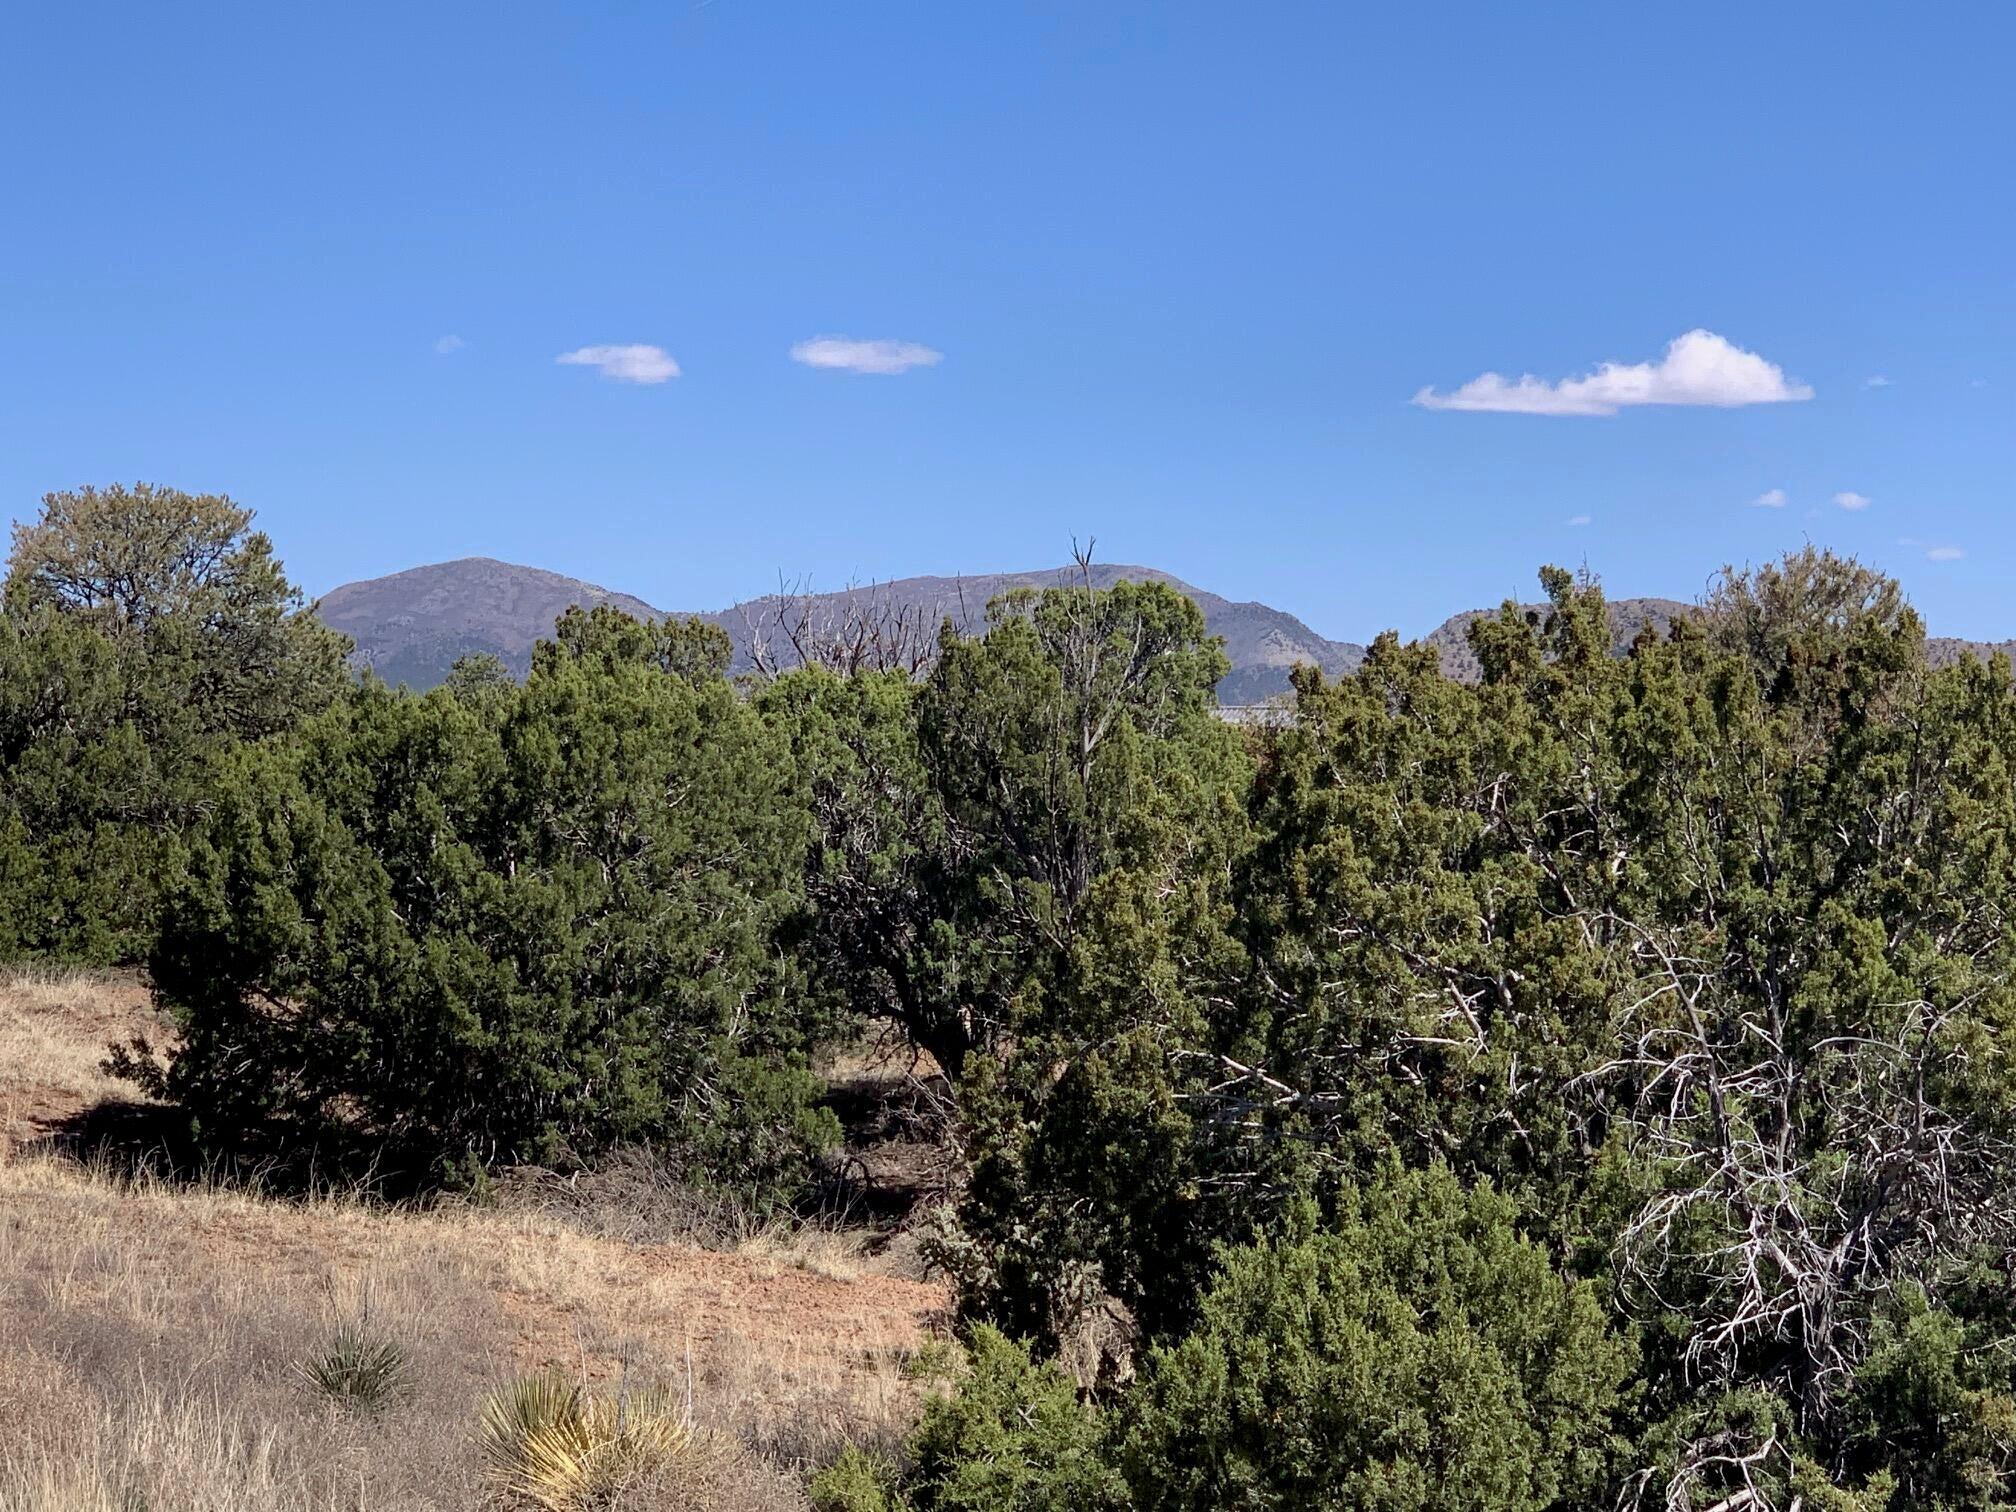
[152, 1332]
[634, 1198]
[55, 1026]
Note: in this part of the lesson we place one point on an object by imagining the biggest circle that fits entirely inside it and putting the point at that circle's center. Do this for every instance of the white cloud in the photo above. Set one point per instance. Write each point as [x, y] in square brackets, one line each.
[1771, 498]
[852, 356]
[625, 364]
[449, 344]
[1698, 368]
[1944, 554]
[1878, 381]
[1578, 519]
[1849, 499]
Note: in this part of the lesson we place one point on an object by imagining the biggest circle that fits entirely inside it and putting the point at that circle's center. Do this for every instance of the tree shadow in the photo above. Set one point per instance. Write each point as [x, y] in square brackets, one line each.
[896, 1153]
[128, 1141]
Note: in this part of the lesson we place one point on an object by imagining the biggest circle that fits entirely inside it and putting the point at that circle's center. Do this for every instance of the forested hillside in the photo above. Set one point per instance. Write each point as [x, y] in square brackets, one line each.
[1583, 1085]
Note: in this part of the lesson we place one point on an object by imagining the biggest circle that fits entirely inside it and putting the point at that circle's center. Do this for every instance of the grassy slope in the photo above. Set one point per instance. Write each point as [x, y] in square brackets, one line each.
[151, 1329]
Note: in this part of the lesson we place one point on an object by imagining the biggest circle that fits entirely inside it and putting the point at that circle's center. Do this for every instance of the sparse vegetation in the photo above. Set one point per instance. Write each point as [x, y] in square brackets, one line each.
[155, 1323]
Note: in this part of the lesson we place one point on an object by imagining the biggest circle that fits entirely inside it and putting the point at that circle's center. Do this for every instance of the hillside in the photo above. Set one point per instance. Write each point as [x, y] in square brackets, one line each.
[1263, 643]
[156, 1325]
[1944, 650]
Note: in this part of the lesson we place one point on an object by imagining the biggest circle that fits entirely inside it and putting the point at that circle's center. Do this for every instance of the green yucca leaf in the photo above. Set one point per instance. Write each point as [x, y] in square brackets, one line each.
[358, 1371]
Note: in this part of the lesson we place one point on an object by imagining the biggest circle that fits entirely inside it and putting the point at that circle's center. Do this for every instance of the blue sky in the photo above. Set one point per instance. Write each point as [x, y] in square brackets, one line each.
[1186, 267]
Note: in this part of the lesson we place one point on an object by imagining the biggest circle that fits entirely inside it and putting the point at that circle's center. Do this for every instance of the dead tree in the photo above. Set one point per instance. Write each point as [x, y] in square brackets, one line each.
[863, 628]
[1809, 1167]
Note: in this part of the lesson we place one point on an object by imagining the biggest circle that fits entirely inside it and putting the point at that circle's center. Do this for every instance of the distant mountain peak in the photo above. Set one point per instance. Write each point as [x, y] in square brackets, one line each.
[410, 627]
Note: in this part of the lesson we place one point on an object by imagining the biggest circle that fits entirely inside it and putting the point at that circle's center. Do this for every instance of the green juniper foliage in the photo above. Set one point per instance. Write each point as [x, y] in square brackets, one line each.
[1698, 957]
[1013, 1437]
[486, 930]
[1413, 1353]
[144, 632]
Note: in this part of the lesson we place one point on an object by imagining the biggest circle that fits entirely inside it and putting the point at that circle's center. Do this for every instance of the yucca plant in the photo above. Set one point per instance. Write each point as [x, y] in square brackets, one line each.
[359, 1371]
[560, 1447]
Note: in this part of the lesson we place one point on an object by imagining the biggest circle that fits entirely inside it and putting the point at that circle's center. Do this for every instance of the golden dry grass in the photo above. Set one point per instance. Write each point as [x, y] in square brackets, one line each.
[151, 1330]
[55, 1026]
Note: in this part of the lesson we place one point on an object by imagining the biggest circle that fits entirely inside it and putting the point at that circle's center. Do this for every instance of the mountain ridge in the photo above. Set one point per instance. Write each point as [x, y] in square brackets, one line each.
[411, 626]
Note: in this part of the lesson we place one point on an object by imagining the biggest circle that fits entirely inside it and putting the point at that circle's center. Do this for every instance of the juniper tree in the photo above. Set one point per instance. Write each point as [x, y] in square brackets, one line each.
[143, 632]
[492, 932]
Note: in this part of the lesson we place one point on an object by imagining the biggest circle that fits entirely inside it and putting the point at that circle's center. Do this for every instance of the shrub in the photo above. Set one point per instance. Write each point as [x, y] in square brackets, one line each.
[479, 936]
[1012, 1438]
[553, 1444]
[859, 1481]
[359, 1371]
[1415, 1354]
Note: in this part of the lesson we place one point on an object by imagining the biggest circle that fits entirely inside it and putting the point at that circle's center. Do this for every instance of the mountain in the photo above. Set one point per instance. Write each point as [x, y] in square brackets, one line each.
[1261, 642]
[411, 626]
[1944, 650]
